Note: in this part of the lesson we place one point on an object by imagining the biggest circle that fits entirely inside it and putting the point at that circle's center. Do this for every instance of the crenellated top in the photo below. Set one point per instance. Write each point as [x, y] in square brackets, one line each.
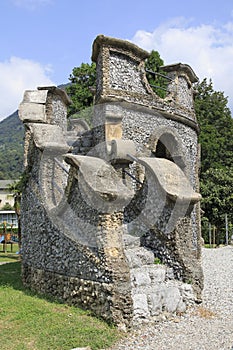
[46, 105]
[120, 68]
[103, 41]
[180, 69]
[121, 76]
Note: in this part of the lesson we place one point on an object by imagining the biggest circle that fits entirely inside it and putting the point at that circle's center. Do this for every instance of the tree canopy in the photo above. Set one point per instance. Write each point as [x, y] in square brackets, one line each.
[216, 188]
[155, 76]
[83, 80]
[216, 125]
[216, 178]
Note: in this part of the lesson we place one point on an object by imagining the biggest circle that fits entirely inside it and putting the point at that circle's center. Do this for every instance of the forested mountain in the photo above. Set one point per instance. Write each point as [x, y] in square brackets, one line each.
[11, 147]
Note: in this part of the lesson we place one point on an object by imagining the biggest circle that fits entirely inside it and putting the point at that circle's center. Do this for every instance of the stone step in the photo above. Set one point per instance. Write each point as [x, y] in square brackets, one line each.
[165, 297]
[131, 241]
[139, 256]
[148, 275]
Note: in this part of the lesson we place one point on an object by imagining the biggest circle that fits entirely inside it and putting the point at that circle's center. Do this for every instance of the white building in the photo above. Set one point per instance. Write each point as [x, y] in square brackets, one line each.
[9, 217]
[5, 195]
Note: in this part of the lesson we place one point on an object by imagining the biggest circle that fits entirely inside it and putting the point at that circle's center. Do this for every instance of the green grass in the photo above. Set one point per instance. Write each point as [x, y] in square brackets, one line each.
[207, 245]
[29, 321]
[157, 261]
[9, 256]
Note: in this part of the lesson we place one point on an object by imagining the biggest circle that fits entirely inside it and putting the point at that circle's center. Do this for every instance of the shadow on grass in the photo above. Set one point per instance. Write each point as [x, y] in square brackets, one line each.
[72, 328]
[10, 275]
[9, 257]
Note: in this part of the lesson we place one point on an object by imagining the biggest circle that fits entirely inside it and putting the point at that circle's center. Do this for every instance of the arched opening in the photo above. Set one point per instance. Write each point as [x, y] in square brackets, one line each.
[167, 147]
[162, 151]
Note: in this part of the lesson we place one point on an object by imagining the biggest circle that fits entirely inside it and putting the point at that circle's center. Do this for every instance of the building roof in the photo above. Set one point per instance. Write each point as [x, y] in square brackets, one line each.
[4, 184]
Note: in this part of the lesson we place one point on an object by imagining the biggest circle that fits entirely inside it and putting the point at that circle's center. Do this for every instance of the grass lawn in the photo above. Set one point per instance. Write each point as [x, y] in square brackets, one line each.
[29, 321]
[9, 256]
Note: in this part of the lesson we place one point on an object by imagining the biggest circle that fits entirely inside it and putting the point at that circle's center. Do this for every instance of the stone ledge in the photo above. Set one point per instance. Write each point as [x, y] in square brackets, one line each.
[119, 43]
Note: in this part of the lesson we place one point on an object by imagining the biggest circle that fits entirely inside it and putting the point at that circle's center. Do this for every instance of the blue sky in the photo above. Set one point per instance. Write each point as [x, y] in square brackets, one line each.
[43, 40]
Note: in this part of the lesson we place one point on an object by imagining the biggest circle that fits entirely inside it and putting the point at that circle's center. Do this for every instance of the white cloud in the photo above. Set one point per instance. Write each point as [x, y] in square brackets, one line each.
[17, 75]
[208, 49]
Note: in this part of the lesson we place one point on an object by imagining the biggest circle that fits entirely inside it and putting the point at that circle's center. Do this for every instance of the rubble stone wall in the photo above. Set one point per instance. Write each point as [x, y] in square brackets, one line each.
[95, 211]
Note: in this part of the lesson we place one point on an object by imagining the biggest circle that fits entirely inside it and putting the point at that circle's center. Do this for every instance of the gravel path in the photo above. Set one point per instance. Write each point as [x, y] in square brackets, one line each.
[208, 326]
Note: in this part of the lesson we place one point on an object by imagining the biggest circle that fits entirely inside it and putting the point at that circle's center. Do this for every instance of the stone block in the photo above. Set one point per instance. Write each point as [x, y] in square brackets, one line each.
[155, 302]
[35, 96]
[120, 149]
[32, 112]
[113, 131]
[133, 260]
[140, 277]
[131, 241]
[140, 305]
[157, 273]
[187, 292]
[139, 256]
[181, 307]
[171, 298]
[48, 136]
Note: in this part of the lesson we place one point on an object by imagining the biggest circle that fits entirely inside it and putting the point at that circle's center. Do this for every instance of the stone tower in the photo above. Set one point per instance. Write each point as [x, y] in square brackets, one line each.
[110, 212]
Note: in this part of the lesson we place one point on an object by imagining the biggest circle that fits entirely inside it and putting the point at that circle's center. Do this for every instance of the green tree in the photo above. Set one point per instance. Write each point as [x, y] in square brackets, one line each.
[83, 80]
[216, 189]
[216, 130]
[7, 206]
[216, 127]
[155, 76]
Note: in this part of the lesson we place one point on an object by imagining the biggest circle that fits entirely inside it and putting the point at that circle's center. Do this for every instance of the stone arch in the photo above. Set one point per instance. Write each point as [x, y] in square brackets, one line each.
[165, 143]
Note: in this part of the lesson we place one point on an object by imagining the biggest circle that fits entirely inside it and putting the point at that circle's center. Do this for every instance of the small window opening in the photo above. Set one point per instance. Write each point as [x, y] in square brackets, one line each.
[162, 152]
